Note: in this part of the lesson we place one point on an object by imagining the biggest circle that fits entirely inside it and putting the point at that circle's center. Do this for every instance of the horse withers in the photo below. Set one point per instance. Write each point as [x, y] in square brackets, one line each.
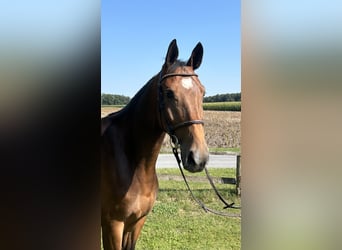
[170, 102]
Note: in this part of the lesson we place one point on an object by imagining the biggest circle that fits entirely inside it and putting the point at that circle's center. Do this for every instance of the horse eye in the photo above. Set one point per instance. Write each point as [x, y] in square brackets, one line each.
[170, 94]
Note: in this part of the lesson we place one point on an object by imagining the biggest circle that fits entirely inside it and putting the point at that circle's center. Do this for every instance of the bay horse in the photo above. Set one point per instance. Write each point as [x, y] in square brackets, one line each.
[169, 103]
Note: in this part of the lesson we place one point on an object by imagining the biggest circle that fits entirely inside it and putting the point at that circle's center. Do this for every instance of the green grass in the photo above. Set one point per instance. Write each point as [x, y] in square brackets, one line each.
[222, 106]
[168, 150]
[224, 150]
[113, 106]
[177, 222]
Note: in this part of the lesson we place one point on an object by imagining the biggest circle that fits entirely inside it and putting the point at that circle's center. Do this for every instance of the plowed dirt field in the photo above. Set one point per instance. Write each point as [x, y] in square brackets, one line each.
[222, 128]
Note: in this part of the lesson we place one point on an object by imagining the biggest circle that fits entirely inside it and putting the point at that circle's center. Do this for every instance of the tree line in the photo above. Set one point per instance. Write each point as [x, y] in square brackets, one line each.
[110, 99]
[235, 97]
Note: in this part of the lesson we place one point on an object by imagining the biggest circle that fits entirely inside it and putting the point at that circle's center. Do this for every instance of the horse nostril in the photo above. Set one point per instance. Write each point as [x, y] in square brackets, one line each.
[191, 160]
[196, 159]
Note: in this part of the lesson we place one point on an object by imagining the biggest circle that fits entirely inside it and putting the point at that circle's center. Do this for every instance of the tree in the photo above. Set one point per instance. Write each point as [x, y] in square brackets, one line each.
[110, 99]
[235, 97]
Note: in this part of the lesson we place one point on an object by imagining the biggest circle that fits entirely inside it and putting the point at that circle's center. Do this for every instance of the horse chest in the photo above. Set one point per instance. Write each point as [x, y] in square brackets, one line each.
[137, 205]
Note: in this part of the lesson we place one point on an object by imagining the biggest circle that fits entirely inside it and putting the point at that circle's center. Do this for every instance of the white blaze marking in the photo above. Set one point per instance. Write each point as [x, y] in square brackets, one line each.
[187, 82]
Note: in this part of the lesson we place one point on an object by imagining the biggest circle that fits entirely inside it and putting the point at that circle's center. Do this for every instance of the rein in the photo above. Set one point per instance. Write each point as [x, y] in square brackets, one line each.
[199, 202]
[175, 146]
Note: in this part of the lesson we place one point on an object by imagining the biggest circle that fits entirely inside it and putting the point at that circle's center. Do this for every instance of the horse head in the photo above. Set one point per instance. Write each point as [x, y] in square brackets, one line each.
[180, 100]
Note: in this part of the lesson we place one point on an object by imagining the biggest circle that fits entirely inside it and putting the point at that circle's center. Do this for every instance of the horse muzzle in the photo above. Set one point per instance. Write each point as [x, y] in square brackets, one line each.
[195, 161]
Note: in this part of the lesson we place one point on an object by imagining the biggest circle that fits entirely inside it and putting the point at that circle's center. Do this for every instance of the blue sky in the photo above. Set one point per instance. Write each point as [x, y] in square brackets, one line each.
[135, 36]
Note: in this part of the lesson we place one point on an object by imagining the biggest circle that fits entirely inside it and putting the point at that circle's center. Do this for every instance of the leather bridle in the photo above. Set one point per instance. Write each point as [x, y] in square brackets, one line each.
[170, 128]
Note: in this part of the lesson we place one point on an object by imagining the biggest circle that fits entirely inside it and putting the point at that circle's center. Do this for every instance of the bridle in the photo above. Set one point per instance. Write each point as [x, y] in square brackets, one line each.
[170, 128]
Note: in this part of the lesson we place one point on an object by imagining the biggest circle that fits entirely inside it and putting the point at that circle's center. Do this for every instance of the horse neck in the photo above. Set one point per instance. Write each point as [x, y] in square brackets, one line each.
[145, 123]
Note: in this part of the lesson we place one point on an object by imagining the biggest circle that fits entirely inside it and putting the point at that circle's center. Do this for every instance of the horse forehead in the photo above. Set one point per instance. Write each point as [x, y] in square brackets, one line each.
[187, 82]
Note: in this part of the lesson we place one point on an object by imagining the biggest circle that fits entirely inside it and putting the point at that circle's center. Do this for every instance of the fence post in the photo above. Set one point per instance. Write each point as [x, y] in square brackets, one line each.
[238, 175]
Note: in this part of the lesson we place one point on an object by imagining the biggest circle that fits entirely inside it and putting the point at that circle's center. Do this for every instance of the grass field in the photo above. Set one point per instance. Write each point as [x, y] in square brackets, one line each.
[177, 222]
[222, 106]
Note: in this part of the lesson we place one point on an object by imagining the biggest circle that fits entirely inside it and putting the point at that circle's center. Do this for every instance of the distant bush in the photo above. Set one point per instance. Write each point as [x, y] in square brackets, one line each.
[222, 106]
[235, 97]
[109, 99]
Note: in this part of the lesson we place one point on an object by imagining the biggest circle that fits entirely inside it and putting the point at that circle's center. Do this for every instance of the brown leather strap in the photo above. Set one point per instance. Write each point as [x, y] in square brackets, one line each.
[175, 74]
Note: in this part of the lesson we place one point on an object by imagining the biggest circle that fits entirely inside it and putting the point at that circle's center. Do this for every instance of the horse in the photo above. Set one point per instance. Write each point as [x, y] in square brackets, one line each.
[169, 103]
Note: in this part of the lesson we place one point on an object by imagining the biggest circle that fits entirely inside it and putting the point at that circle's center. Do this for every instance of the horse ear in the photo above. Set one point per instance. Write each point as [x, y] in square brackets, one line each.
[172, 53]
[195, 59]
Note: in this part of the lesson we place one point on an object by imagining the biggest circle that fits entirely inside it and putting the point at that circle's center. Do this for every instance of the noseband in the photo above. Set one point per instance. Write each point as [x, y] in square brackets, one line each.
[170, 128]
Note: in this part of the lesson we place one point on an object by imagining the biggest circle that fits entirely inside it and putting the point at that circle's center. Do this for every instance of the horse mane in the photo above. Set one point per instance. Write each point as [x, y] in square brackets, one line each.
[131, 106]
[134, 101]
[175, 65]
